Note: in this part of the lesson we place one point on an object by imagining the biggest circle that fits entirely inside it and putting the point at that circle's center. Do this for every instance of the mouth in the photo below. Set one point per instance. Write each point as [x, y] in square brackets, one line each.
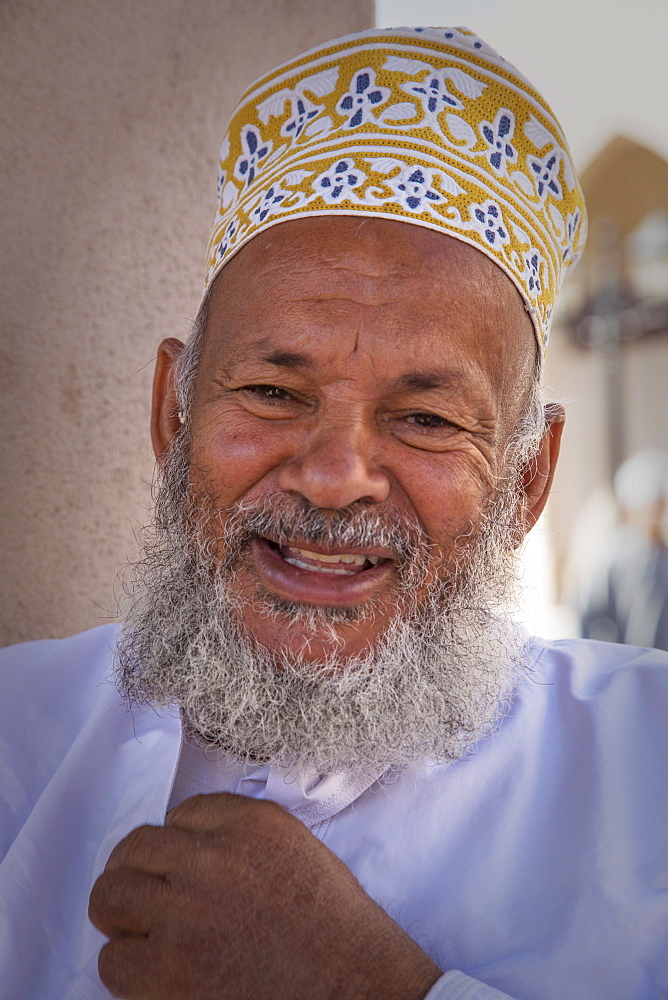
[333, 563]
[319, 574]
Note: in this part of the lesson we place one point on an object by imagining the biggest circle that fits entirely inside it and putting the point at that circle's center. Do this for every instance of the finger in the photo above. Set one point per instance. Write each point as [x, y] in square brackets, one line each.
[124, 901]
[152, 850]
[127, 968]
[203, 813]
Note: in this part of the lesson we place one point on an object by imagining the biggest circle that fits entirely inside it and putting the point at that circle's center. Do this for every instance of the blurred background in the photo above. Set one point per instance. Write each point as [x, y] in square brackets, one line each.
[597, 563]
[112, 114]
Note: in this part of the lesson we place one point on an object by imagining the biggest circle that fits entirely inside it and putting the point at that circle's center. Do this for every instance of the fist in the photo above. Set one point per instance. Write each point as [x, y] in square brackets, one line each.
[234, 899]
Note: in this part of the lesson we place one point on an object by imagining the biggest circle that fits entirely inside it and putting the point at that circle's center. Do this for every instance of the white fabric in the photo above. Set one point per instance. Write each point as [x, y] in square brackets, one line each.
[538, 866]
[455, 985]
[312, 797]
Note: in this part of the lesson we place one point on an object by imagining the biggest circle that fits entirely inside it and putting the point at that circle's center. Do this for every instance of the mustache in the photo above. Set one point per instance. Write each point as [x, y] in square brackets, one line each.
[286, 519]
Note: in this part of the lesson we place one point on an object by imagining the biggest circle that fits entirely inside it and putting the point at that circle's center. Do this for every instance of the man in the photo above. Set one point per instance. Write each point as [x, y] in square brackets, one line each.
[336, 770]
[626, 599]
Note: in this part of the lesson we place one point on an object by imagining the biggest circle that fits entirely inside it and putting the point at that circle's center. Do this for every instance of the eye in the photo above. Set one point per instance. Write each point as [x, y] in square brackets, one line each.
[272, 393]
[428, 421]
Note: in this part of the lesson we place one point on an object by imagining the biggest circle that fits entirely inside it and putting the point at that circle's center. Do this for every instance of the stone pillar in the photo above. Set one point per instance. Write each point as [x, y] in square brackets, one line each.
[113, 113]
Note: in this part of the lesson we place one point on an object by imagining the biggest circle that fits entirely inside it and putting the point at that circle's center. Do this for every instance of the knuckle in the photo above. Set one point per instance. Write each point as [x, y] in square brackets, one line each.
[115, 969]
[137, 838]
[105, 903]
[192, 805]
[190, 809]
[97, 899]
[203, 810]
[132, 845]
[276, 818]
[277, 810]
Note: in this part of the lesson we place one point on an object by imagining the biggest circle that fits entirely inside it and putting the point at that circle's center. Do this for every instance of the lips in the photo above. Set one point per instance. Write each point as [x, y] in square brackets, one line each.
[325, 577]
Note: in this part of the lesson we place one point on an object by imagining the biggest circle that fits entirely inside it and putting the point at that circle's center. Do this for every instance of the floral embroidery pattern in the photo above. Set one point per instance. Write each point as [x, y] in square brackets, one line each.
[433, 94]
[254, 150]
[533, 263]
[573, 220]
[414, 188]
[487, 219]
[357, 104]
[498, 136]
[546, 174]
[302, 112]
[337, 183]
[269, 202]
[391, 121]
[228, 239]
[222, 174]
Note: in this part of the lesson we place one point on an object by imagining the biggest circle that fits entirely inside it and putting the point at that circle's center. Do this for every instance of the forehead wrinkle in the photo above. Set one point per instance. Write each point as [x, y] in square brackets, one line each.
[458, 286]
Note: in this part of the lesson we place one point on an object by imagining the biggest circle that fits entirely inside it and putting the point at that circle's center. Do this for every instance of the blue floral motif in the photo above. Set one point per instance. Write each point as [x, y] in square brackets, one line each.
[228, 239]
[532, 267]
[498, 136]
[357, 104]
[488, 220]
[336, 183]
[269, 203]
[302, 112]
[433, 93]
[415, 189]
[572, 224]
[546, 174]
[255, 150]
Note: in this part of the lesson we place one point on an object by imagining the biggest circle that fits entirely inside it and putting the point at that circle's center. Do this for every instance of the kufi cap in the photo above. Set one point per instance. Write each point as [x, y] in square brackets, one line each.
[429, 126]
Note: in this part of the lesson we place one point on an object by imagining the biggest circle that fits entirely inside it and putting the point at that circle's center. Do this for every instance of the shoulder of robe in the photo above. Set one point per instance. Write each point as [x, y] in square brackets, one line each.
[611, 701]
[593, 669]
[50, 690]
[56, 675]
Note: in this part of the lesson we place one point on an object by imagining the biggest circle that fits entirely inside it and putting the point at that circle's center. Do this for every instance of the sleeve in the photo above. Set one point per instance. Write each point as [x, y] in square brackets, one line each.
[455, 985]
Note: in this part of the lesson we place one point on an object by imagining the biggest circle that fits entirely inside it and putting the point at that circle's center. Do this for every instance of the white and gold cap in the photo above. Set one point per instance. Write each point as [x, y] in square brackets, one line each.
[428, 126]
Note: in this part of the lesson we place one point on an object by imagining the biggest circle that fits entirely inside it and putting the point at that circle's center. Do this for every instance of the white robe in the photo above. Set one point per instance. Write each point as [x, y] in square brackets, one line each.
[538, 865]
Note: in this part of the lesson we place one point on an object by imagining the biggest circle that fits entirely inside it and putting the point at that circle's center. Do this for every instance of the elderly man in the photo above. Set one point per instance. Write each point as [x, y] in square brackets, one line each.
[336, 769]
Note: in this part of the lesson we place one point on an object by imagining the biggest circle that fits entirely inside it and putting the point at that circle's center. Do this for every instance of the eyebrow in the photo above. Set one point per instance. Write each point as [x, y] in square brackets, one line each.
[437, 378]
[289, 359]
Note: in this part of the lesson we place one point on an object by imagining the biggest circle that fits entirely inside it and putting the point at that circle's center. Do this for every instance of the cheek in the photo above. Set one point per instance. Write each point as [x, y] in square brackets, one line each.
[231, 455]
[447, 495]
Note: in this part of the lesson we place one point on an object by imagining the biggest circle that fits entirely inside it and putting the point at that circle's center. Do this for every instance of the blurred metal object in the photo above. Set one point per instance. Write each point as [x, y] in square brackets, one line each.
[622, 294]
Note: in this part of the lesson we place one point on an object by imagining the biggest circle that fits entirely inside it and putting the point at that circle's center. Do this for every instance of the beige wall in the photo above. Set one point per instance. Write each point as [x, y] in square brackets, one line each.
[112, 114]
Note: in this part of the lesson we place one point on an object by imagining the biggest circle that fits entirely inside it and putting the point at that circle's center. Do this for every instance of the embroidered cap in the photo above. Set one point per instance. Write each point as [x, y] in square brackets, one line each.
[428, 126]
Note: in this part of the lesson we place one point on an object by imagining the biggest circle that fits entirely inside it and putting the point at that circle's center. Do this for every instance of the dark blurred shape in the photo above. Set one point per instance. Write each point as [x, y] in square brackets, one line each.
[620, 295]
[628, 595]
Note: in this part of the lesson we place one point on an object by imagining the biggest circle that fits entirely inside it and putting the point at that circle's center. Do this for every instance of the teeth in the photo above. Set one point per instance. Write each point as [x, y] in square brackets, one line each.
[350, 558]
[317, 569]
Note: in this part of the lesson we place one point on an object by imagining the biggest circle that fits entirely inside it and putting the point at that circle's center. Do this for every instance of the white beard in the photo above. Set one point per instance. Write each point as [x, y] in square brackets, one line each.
[440, 677]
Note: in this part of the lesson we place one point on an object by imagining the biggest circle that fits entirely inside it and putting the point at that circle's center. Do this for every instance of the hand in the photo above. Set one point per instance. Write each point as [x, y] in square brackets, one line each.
[234, 899]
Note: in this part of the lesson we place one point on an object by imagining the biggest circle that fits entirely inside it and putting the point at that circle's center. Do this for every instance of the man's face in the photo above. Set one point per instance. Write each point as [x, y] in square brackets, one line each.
[354, 364]
[334, 520]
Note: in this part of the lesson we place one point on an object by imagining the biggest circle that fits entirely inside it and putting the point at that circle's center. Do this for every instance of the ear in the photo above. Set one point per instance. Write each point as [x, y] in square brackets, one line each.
[164, 407]
[538, 476]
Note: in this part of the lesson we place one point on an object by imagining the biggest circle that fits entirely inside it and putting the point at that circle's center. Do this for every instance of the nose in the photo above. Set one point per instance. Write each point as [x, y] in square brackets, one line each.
[335, 469]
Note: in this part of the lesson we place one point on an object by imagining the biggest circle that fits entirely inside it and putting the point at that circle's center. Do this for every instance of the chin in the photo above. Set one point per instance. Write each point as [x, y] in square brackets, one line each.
[313, 633]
